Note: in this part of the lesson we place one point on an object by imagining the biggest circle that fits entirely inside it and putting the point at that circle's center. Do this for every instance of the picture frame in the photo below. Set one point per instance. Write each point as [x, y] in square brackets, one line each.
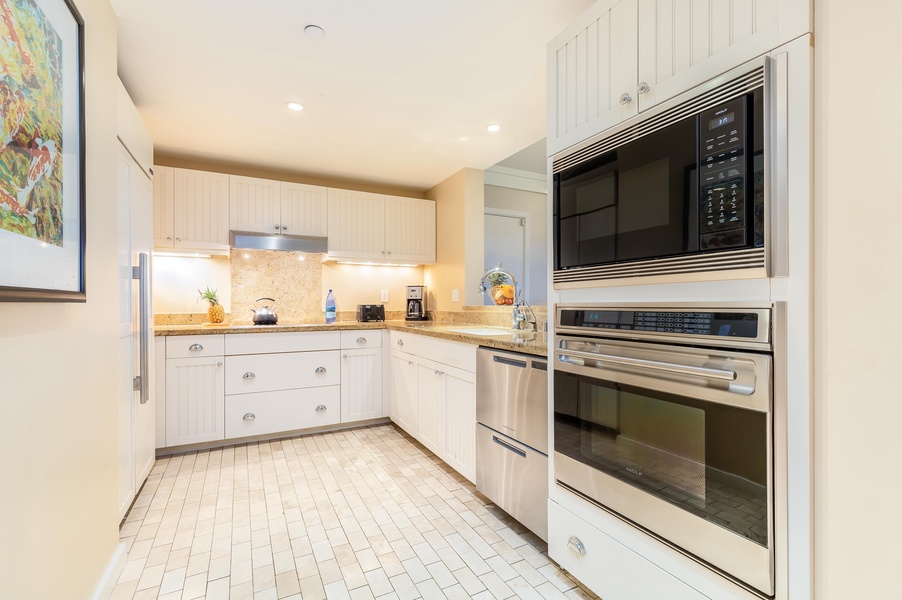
[42, 152]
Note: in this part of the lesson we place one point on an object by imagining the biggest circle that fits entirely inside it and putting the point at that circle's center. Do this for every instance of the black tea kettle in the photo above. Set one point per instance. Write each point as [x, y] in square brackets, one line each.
[265, 315]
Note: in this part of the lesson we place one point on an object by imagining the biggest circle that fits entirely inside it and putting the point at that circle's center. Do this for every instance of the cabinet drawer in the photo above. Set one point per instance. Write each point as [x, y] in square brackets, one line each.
[193, 346]
[361, 338]
[251, 373]
[264, 343]
[607, 567]
[455, 354]
[285, 410]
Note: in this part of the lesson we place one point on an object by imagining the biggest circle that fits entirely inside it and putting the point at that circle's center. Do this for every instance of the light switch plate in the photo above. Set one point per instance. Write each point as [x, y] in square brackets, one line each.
[455, 295]
[384, 296]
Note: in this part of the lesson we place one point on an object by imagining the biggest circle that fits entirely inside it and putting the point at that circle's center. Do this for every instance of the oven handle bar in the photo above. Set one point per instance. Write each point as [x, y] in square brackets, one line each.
[575, 357]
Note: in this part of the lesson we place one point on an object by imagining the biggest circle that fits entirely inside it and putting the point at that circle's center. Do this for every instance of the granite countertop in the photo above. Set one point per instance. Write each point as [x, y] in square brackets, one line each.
[516, 341]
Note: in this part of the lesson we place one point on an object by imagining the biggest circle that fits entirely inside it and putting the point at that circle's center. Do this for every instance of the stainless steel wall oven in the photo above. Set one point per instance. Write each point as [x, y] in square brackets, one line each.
[682, 190]
[664, 418]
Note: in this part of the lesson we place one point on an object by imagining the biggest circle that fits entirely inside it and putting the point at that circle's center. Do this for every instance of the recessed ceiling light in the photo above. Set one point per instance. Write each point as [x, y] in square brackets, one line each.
[493, 127]
[315, 32]
[294, 105]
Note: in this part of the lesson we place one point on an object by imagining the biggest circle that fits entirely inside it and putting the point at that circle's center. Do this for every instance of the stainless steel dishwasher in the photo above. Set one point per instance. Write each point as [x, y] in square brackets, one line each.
[512, 435]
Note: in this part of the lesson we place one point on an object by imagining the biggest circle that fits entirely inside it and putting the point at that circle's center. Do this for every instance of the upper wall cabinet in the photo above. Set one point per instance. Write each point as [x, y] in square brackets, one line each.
[374, 227]
[625, 56]
[191, 210]
[275, 207]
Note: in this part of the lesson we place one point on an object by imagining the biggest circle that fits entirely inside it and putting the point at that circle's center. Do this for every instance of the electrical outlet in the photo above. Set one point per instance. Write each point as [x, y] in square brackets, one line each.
[455, 295]
[384, 296]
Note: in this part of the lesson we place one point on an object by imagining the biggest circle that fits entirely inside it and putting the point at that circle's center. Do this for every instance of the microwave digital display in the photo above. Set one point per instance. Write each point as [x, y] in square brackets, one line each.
[721, 120]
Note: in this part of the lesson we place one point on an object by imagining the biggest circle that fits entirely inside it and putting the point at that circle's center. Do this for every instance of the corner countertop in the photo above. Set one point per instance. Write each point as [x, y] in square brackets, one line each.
[527, 342]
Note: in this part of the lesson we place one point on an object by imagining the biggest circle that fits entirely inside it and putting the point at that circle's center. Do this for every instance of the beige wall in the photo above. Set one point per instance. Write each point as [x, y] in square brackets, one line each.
[169, 160]
[858, 291]
[58, 452]
[459, 202]
[362, 284]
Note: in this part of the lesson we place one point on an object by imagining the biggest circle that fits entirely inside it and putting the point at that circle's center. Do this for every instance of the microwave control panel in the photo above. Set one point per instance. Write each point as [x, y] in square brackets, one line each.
[722, 175]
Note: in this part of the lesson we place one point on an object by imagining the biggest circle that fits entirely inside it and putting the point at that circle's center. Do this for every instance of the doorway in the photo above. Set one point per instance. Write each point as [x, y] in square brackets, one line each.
[505, 244]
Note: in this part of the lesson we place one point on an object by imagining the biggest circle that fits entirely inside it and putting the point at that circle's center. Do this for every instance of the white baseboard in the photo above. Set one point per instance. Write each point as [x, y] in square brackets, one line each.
[111, 575]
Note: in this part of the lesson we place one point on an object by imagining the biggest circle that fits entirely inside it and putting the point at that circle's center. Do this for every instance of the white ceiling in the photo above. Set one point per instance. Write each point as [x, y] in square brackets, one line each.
[398, 93]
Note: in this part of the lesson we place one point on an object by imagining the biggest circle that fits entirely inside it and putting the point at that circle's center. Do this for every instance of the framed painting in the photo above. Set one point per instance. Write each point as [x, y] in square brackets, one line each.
[42, 152]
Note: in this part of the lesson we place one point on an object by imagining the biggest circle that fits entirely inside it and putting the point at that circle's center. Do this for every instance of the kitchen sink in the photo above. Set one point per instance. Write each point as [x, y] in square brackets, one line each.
[482, 330]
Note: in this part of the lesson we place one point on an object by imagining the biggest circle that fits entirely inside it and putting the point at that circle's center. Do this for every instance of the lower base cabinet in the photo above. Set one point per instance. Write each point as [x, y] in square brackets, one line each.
[361, 385]
[435, 401]
[195, 396]
[607, 567]
[284, 410]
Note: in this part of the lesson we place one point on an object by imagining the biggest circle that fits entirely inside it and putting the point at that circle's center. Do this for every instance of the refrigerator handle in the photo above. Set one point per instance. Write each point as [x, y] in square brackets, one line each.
[140, 273]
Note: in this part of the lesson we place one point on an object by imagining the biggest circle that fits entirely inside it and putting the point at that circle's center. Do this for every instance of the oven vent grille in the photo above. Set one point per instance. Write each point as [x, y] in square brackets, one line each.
[720, 261]
[649, 124]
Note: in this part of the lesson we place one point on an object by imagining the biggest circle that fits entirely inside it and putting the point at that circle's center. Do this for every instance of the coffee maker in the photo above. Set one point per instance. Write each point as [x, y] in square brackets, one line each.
[416, 303]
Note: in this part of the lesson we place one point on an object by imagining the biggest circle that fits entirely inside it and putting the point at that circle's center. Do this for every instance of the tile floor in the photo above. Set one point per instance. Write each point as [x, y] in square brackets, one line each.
[360, 513]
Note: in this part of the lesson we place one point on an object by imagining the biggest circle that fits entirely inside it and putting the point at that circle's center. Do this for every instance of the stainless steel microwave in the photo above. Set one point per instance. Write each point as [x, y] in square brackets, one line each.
[680, 192]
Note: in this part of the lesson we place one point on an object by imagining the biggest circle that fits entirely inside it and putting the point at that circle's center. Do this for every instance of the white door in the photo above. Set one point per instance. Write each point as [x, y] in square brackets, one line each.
[460, 421]
[505, 245]
[409, 229]
[254, 205]
[304, 210]
[195, 400]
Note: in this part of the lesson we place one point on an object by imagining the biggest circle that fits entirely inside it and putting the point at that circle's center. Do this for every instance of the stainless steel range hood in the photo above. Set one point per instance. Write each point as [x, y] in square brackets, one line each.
[290, 243]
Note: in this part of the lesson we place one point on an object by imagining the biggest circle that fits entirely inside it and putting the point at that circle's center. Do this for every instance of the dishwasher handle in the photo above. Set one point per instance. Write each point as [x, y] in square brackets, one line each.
[510, 447]
[509, 361]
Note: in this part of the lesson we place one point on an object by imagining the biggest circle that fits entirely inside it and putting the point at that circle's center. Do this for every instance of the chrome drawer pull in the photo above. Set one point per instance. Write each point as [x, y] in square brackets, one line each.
[361, 340]
[249, 417]
[248, 375]
[321, 408]
[320, 370]
[576, 545]
[195, 347]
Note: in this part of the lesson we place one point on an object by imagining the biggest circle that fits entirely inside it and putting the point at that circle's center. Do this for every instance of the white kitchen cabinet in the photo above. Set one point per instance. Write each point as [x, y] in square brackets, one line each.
[283, 410]
[198, 203]
[195, 400]
[163, 208]
[361, 384]
[305, 210]
[374, 227]
[434, 396]
[591, 66]
[245, 374]
[403, 409]
[277, 207]
[623, 57]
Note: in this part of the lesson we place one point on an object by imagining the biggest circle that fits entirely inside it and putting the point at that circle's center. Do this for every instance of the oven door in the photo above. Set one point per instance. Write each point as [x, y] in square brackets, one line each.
[677, 441]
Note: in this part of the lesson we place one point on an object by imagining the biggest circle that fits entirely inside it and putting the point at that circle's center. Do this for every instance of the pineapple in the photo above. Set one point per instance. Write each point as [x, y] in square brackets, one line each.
[502, 293]
[216, 313]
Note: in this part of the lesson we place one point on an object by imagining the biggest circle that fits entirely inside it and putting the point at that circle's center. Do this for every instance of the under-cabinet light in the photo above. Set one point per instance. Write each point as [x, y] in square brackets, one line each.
[183, 254]
[374, 264]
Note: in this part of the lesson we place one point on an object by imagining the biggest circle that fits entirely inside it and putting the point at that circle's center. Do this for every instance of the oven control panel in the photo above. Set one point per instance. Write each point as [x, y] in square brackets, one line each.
[738, 324]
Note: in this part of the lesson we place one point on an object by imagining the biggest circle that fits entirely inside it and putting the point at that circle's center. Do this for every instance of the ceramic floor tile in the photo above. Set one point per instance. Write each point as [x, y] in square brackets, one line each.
[361, 513]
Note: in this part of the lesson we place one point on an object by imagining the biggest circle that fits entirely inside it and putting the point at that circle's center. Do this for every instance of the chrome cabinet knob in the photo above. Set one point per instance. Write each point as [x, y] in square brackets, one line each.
[344, 356]
[178, 239]
[277, 227]
[576, 545]
[410, 362]
[361, 340]
[321, 408]
[284, 227]
[248, 375]
[219, 364]
[195, 347]
[400, 342]
[249, 417]
[320, 370]
[169, 237]
[643, 88]
[625, 99]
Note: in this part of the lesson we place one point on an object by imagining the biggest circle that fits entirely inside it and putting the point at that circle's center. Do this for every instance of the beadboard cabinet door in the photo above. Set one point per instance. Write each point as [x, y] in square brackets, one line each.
[409, 229]
[684, 43]
[163, 208]
[361, 384]
[430, 399]
[592, 73]
[356, 224]
[459, 448]
[201, 209]
[305, 210]
[195, 400]
[254, 205]
[403, 409]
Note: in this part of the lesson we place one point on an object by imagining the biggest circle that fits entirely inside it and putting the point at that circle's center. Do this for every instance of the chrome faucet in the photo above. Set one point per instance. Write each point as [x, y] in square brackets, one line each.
[519, 317]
